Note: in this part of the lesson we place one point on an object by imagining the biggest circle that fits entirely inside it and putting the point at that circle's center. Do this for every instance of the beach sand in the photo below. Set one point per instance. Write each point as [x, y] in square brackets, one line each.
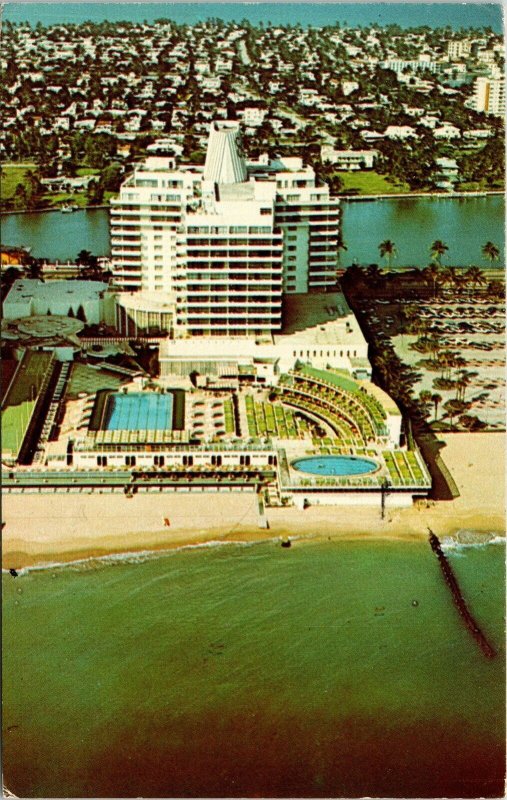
[49, 528]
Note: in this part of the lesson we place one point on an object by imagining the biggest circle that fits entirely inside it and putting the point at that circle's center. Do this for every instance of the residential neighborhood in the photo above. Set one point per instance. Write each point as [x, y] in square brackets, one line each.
[369, 108]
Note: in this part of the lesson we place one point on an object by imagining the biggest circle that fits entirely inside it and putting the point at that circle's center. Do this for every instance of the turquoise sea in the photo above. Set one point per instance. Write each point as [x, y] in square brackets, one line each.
[455, 15]
[250, 670]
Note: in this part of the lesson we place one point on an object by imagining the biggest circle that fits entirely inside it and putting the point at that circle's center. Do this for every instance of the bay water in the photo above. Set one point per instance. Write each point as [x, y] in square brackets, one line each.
[412, 223]
[338, 669]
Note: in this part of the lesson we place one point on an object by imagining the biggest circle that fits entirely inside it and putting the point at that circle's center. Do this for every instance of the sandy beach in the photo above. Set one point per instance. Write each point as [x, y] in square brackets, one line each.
[49, 528]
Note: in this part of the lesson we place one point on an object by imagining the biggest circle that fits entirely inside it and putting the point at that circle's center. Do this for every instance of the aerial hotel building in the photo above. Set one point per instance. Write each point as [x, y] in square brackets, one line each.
[221, 244]
[489, 96]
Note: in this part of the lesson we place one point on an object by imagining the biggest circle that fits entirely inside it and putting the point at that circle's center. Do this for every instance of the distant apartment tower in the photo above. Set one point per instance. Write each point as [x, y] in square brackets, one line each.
[458, 49]
[224, 241]
[489, 96]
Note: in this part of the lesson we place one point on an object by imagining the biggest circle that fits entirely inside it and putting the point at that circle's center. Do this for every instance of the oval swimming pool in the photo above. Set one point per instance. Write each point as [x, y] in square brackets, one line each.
[335, 465]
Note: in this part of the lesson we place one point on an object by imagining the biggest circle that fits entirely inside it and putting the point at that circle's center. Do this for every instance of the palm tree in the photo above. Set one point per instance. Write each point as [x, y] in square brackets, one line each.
[474, 275]
[459, 364]
[452, 408]
[425, 398]
[437, 250]
[451, 277]
[434, 346]
[384, 367]
[431, 274]
[464, 380]
[491, 252]
[436, 399]
[387, 249]
[340, 246]
[460, 282]
[374, 274]
[410, 316]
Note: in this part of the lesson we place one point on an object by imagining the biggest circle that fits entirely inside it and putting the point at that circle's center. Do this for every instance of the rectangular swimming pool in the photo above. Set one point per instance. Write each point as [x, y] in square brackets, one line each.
[138, 412]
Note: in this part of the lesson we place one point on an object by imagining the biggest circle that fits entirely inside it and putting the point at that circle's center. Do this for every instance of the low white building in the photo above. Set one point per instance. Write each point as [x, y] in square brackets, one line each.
[88, 300]
[349, 159]
[349, 86]
[319, 329]
[447, 131]
[400, 132]
[253, 116]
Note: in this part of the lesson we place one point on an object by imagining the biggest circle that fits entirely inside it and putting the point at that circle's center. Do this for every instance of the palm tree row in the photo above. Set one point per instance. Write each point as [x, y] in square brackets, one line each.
[438, 249]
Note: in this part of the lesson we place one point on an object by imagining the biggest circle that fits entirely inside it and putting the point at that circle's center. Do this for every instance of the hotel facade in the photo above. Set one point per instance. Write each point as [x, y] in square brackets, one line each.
[224, 242]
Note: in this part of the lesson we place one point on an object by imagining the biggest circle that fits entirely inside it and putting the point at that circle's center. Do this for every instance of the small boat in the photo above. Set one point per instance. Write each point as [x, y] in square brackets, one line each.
[68, 209]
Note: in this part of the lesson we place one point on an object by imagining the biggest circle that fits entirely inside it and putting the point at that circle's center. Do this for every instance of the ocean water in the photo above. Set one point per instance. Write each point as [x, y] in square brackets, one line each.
[455, 15]
[255, 671]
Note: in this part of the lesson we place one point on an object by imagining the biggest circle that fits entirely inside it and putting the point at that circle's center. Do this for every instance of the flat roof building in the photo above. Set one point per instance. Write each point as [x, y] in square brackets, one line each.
[87, 300]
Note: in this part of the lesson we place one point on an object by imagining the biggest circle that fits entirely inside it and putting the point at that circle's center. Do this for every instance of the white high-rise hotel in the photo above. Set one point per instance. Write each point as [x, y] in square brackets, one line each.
[221, 244]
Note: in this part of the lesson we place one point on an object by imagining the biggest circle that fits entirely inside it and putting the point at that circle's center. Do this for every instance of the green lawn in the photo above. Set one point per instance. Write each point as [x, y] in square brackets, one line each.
[61, 198]
[81, 171]
[11, 175]
[479, 186]
[370, 182]
[21, 399]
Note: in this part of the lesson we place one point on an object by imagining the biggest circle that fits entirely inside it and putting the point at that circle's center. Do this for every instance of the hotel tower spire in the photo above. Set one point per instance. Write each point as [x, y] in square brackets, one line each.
[224, 159]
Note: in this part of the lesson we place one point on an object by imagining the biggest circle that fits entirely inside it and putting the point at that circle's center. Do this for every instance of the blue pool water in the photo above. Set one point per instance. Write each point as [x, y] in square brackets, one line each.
[335, 465]
[136, 412]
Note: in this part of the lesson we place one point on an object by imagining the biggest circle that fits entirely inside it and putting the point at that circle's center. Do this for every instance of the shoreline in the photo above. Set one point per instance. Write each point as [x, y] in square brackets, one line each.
[75, 527]
[46, 209]
[341, 197]
[429, 194]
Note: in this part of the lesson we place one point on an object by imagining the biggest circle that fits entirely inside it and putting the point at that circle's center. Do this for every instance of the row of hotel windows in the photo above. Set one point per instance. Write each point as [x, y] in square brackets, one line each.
[191, 242]
[229, 297]
[187, 461]
[247, 252]
[314, 198]
[243, 320]
[267, 331]
[228, 229]
[324, 353]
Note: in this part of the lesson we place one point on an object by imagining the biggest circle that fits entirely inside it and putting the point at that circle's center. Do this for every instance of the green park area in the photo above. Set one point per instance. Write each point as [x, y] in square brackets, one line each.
[21, 399]
[10, 176]
[371, 182]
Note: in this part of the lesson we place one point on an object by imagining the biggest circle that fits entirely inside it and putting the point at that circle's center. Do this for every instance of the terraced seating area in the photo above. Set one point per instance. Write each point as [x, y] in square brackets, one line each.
[341, 450]
[347, 419]
[344, 393]
[272, 419]
[404, 468]
[229, 416]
